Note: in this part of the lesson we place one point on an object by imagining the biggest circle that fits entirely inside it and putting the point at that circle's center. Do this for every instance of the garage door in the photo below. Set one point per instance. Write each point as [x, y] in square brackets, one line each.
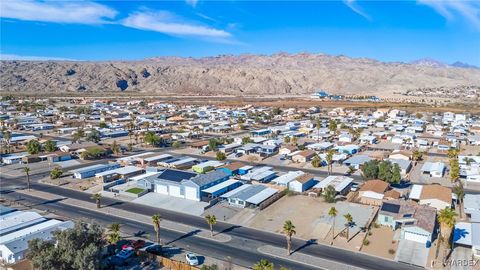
[416, 237]
[162, 189]
[191, 193]
[175, 191]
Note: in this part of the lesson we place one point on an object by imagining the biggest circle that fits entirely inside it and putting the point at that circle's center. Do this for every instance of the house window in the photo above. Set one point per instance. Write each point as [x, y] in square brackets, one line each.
[386, 219]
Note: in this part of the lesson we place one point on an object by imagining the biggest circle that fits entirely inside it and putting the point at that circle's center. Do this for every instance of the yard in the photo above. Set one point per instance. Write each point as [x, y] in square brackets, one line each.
[135, 190]
[381, 242]
[303, 211]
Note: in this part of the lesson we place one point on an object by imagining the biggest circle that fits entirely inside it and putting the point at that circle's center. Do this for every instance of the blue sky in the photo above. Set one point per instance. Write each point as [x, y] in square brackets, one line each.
[125, 30]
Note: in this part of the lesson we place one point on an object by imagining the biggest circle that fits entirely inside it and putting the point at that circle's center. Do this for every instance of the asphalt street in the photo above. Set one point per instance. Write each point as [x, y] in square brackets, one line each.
[236, 232]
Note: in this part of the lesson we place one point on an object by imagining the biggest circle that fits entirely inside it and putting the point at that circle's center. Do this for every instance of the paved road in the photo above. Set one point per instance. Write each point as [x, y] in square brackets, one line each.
[238, 232]
[235, 248]
[280, 168]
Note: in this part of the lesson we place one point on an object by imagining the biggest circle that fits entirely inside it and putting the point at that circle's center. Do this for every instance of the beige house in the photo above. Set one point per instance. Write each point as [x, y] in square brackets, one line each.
[304, 156]
[373, 192]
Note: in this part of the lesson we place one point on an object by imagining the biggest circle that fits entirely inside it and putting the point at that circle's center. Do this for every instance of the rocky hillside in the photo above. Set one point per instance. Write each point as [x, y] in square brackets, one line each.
[232, 75]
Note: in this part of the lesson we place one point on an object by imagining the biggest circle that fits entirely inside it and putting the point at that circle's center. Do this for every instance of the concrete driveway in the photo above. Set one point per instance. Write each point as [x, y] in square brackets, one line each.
[171, 203]
[412, 252]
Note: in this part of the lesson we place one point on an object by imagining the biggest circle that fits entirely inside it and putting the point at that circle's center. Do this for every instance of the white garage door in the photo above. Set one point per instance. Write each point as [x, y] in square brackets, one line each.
[416, 237]
[162, 189]
[191, 193]
[175, 191]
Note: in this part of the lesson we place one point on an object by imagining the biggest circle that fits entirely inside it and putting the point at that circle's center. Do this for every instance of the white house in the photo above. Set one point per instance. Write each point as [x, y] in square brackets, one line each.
[436, 196]
[302, 183]
[434, 169]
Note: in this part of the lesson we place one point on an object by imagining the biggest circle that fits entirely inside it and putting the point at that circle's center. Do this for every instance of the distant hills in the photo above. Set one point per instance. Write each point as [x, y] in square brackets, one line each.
[429, 62]
[278, 74]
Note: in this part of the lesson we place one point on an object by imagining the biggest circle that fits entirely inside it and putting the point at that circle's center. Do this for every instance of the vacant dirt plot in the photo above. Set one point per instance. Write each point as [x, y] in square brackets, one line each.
[381, 242]
[303, 211]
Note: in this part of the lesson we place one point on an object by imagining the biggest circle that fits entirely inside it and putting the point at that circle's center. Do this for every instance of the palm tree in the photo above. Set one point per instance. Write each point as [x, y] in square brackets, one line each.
[329, 159]
[349, 220]
[333, 213]
[113, 237]
[417, 156]
[317, 125]
[211, 220]
[7, 136]
[114, 227]
[156, 219]
[26, 170]
[460, 192]
[446, 218]
[289, 231]
[97, 197]
[263, 265]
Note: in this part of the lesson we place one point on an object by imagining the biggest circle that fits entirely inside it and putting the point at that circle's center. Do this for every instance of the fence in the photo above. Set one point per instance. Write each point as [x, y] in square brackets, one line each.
[272, 199]
[175, 265]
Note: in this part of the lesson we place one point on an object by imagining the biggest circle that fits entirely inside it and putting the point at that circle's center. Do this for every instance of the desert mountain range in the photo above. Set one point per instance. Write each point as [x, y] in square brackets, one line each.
[278, 74]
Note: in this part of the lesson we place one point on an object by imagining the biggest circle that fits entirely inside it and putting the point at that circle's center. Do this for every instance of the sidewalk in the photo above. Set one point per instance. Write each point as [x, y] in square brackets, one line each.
[179, 227]
[304, 258]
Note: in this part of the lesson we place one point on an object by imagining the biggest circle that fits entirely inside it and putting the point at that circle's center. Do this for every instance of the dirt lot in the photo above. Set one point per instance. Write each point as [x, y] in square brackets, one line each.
[303, 211]
[381, 241]
[77, 184]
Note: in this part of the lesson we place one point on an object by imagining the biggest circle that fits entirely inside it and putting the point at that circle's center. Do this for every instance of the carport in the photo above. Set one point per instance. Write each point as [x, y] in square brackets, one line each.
[222, 188]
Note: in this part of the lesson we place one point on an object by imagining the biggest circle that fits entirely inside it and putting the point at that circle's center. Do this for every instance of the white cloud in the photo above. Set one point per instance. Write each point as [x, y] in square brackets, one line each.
[81, 12]
[168, 23]
[192, 3]
[32, 58]
[86, 12]
[449, 9]
[355, 8]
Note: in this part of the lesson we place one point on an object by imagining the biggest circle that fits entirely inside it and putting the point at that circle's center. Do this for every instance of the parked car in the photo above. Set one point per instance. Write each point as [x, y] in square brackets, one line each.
[138, 244]
[191, 258]
[155, 249]
[125, 253]
[354, 187]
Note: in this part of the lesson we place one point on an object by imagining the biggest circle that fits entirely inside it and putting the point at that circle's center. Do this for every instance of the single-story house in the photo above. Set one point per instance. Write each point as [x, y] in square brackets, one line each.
[418, 222]
[471, 204]
[302, 183]
[119, 173]
[284, 179]
[304, 156]
[372, 192]
[249, 195]
[207, 166]
[341, 183]
[90, 171]
[401, 154]
[435, 195]
[58, 156]
[232, 168]
[405, 165]
[357, 161]
[434, 169]
[287, 149]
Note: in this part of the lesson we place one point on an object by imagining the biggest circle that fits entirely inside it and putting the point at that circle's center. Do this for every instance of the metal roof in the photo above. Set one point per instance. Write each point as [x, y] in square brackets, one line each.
[17, 220]
[205, 179]
[220, 186]
[249, 192]
[337, 181]
[262, 195]
[95, 167]
[416, 192]
[123, 170]
[235, 191]
[286, 178]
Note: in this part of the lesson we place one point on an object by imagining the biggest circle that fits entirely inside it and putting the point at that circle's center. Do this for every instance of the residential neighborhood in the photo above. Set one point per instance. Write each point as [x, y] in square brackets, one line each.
[400, 185]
